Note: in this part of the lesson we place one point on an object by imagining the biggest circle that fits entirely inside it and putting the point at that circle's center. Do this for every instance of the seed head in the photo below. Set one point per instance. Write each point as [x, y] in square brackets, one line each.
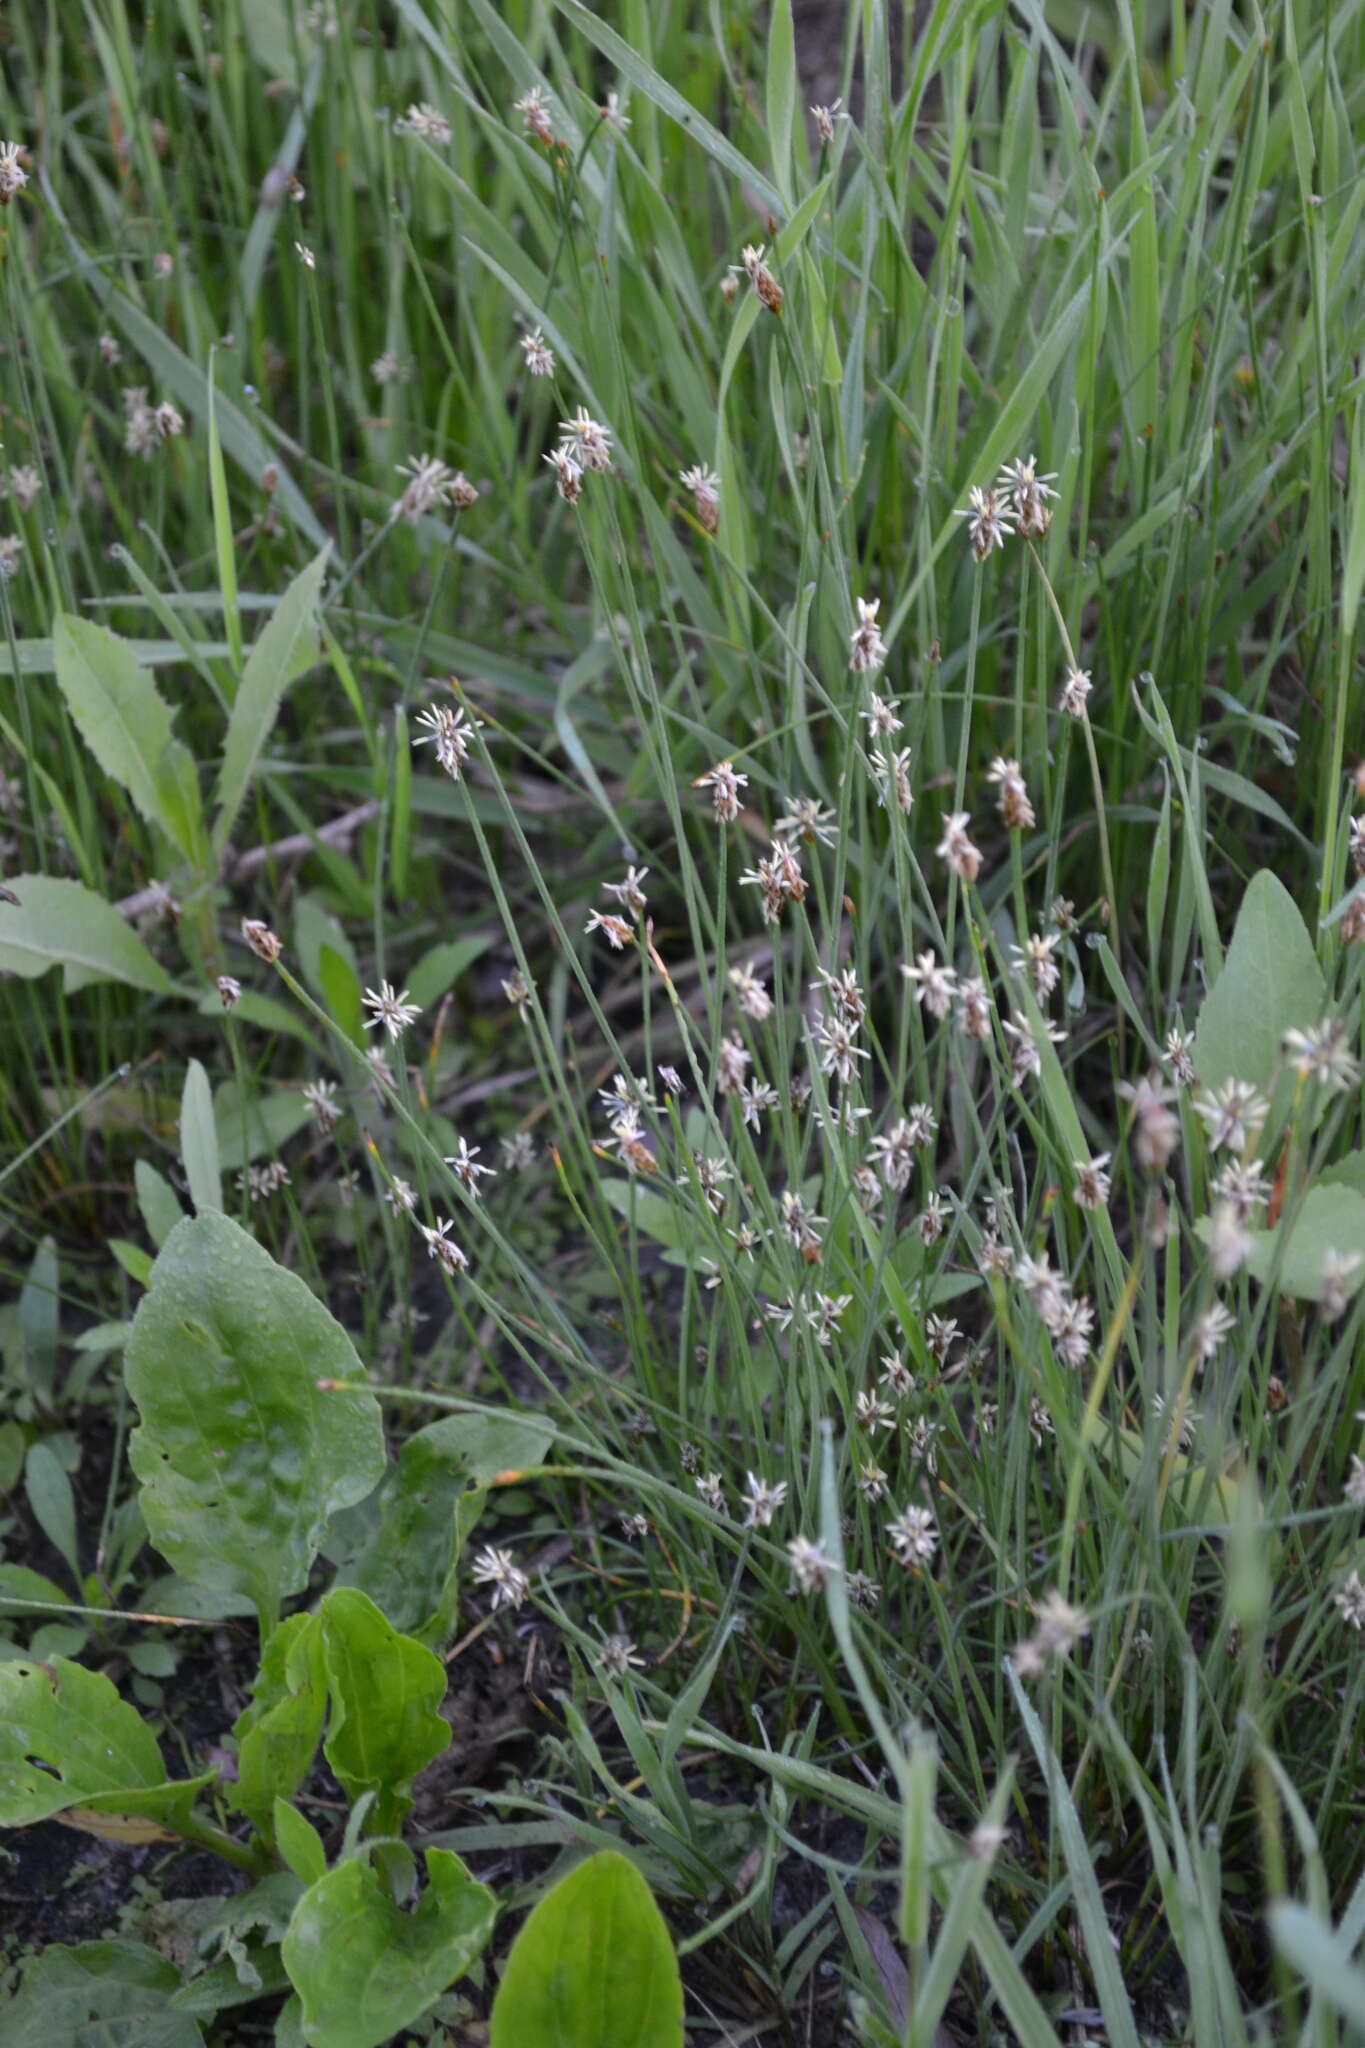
[956, 847]
[450, 732]
[13, 176]
[725, 784]
[263, 942]
[988, 520]
[763, 1501]
[704, 485]
[1350, 1600]
[498, 1569]
[587, 441]
[427, 123]
[535, 114]
[1075, 691]
[825, 118]
[810, 1563]
[867, 648]
[390, 1009]
[540, 361]
[766, 287]
[913, 1536]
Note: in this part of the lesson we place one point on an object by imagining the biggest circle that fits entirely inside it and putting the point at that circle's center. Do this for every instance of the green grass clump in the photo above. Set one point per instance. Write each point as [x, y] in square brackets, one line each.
[955, 1530]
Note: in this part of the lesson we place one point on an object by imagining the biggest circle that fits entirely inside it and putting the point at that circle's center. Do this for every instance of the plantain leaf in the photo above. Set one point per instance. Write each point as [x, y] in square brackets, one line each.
[67, 1740]
[278, 1734]
[1270, 982]
[288, 643]
[104, 1994]
[593, 1967]
[385, 1689]
[57, 923]
[241, 1456]
[363, 1968]
[126, 724]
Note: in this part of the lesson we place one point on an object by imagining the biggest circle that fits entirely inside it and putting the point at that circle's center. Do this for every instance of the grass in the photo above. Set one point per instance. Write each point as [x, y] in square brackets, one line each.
[1125, 239]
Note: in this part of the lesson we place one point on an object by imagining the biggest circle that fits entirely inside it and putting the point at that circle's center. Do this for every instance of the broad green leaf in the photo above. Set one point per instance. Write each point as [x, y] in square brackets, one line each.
[157, 1200]
[363, 1968]
[1346, 1172]
[385, 1690]
[199, 1140]
[53, 1503]
[12, 1444]
[289, 643]
[242, 1457]
[126, 724]
[441, 968]
[593, 1967]
[68, 1741]
[403, 1545]
[1270, 983]
[136, 1263]
[490, 1446]
[299, 1842]
[1328, 1225]
[104, 1994]
[278, 1734]
[58, 923]
[38, 1322]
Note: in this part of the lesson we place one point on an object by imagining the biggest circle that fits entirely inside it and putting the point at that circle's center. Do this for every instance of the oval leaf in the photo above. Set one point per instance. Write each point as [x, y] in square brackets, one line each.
[1326, 1233]
[242, 1458]
[363, 1969]
[57, 923]
[593, 1967]
[1271, 982]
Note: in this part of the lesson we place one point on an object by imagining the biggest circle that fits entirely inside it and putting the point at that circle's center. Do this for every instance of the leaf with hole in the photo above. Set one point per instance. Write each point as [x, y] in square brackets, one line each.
[67, 1740]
